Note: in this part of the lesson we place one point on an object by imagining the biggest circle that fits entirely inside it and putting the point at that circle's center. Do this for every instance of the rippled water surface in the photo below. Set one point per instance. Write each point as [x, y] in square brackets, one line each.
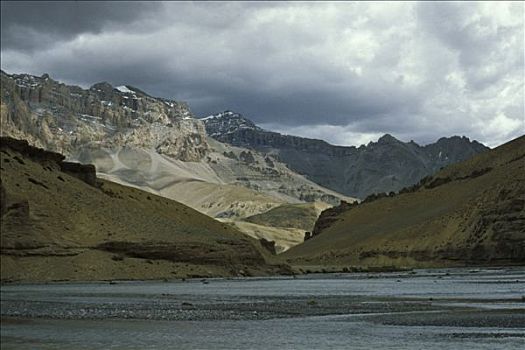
[424, 309]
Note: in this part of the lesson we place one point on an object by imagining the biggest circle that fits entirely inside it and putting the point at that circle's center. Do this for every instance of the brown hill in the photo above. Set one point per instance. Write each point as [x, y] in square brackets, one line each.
[301, 215]
[470, 213]
[59, 222]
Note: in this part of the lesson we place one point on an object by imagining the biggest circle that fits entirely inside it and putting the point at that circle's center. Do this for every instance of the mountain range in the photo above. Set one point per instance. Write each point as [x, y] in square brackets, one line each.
[269, 186]
[383, 166]
[156, 145]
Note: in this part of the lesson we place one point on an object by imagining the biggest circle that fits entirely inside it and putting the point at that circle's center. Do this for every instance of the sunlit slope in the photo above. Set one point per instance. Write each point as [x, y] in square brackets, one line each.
[285, 224]
[219, 186]
[224, 187]
[56, 226]
[302, 215]
[469, 213]
[192, 183]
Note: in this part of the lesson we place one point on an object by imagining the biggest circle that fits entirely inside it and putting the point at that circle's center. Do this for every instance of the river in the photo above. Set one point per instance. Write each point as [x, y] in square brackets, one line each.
[423, 309]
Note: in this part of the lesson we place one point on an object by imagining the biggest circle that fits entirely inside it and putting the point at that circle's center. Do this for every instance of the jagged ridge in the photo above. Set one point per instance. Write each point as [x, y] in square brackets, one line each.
[383, 166]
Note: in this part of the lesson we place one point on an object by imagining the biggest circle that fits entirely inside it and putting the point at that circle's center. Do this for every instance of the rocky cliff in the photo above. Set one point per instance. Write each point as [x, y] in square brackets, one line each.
[64, 118]
[383, 166]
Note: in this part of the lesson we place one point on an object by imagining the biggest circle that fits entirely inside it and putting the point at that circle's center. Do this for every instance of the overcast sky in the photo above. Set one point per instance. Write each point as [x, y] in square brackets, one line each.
[343, 72]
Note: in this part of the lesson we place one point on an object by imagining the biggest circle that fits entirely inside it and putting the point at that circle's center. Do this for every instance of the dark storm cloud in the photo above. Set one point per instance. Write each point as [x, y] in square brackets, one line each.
[345, 72]
[30, 25]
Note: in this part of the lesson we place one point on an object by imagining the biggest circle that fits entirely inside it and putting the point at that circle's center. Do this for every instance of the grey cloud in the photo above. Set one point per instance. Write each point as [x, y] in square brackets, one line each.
[414, 70]
[479, 42]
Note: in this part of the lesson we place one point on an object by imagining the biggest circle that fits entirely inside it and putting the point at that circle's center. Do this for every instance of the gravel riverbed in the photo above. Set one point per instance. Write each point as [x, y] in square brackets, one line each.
[481, 308]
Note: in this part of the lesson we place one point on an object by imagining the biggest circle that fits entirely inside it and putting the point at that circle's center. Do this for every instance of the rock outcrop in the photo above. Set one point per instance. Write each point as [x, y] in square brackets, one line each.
[49, 160]
[268, 245]
[85, 172]
[383, 166]
[3, 199]
[329, 216]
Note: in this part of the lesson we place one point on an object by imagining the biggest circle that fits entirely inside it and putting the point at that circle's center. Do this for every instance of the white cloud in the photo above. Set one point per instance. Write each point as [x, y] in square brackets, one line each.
[336, 135]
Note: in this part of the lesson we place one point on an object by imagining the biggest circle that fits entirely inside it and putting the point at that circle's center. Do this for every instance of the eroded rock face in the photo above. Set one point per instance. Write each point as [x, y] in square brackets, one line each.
[37, 154]
[3, 200]
[383, 166]
[268, 245]
[65, 118]
[186, 252]
[85, 172]
[498, 230]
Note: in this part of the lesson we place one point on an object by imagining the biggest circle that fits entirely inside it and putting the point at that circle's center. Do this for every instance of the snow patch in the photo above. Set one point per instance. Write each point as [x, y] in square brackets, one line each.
[124, 89]
[89, 116]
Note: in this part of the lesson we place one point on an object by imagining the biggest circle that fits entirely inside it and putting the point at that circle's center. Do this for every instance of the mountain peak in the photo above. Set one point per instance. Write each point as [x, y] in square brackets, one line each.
[387, 138]
[104, 86]
[227, 122]
[454, 138]
[460, 141]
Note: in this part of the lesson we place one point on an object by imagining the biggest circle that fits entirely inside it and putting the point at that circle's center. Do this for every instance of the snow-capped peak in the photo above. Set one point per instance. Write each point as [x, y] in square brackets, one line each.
[227, 122]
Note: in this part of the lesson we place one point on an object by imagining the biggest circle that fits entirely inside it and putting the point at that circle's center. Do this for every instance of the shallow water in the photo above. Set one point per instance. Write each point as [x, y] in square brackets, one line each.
[428, 309]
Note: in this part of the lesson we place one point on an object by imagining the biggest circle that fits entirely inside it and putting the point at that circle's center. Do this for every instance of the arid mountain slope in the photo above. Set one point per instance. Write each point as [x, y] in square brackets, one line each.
[470, 213]
[230, 183]
[151, 143]
[58, 222]
[383, 166]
